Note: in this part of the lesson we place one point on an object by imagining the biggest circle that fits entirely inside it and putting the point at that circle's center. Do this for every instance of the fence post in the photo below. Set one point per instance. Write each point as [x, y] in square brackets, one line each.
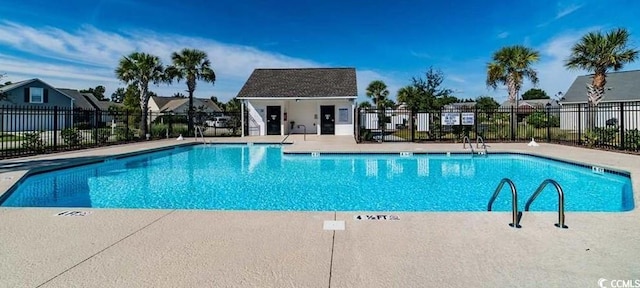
[548, 125]
[622, 134]
[95, 127]
[55, 128]
[513, 117]
[579, 126]
[126, 125]
[412, 123]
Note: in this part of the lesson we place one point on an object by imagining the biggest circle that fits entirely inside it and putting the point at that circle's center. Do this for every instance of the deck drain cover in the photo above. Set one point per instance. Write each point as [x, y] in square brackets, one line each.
[73, 213]
[333, 225]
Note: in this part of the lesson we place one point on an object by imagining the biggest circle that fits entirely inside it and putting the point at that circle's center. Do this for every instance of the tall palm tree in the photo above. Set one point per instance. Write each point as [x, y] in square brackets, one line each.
[598, 53]
[140, 69]
[378, 92]
[192, 65]
[510, 66]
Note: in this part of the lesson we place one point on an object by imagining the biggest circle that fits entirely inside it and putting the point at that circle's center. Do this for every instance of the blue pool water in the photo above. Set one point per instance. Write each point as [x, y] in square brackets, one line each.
[261, 177]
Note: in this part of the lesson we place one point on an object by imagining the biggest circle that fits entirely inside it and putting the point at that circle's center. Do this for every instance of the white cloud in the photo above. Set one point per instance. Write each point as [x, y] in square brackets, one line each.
[89, 56]
[564, 11]
[503, 35]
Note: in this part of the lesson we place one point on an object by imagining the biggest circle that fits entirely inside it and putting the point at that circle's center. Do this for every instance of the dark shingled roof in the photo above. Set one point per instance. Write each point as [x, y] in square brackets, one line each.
[79, 101]
[620, 87]
[301, 83]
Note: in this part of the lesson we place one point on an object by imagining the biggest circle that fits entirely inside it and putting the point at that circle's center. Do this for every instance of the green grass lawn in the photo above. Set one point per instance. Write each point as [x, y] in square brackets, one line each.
[10, 138]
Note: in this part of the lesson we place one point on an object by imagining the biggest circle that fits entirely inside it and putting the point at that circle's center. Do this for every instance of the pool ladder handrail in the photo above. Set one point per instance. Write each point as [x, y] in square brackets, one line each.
[479, 140]
[515, 215]
[466, 140]
[199, 129]
[544, 184]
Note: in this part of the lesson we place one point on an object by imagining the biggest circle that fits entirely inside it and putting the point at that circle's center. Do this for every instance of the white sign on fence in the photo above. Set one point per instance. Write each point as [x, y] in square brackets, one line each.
[468, 118]
[450, 119]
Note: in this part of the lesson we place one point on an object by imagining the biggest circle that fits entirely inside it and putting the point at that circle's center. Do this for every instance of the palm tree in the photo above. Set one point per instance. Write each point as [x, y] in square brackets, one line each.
[510, 66]
[410, 95]
[192, 65]
[140, 69]
[378, 92]
[600, 53]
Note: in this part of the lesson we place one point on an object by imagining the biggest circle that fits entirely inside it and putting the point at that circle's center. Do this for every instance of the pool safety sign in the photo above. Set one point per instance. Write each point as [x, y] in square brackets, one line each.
[377, 217]
[450, 119]
[73, 213]
[468, 118]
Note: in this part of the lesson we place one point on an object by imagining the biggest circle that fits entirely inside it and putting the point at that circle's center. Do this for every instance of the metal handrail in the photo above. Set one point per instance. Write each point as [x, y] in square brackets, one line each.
[479, 140]
[514, 199]
[305, 131]
[544, 184]
[199, 129]
[464, 144]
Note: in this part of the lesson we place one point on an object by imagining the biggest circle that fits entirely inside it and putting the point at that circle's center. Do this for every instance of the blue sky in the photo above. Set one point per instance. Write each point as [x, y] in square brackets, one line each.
[77, 44]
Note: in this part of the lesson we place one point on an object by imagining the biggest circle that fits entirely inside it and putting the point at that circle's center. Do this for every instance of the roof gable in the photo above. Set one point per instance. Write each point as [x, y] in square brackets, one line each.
[16, 85]
[12, 86]
[301, 83]
[621, 86]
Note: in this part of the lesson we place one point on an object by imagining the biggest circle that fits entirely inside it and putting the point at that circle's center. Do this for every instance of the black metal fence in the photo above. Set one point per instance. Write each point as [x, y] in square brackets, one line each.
[37, 130]
[608, 126]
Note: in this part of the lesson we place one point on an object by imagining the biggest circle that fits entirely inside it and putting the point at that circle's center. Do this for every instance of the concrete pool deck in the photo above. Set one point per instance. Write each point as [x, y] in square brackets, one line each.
[185, 248]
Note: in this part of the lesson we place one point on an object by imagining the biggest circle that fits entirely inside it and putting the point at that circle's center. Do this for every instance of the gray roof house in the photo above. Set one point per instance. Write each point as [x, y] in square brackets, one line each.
[621, 86]
[24, 102]
[34, 93]
[300, 100]
[620, 105]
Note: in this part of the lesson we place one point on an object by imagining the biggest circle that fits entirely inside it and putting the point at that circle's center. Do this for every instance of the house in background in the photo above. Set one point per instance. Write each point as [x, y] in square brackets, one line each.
[159, 105]
[460, 107]
[620, 106]
[299, 100]
[23, 99]
[88, 109]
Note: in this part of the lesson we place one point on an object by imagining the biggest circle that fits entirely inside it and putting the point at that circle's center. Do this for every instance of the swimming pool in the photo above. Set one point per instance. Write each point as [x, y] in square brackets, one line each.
[261, 177]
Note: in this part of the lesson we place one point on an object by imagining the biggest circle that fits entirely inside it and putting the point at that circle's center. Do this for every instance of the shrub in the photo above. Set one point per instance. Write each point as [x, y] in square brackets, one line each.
[71, 136]
[102, 136]
[166, 119]
[540, 120]
[179, 129]
[632, 140]
[599, 136]
[82, 125]
[159, 130]
[33, 141]
[124, 134]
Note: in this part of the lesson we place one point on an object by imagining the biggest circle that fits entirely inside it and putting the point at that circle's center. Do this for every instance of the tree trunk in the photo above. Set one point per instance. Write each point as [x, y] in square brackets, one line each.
[595, 95]
[144, 101]
[512, 89]
[190, 114]
[191, 87]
